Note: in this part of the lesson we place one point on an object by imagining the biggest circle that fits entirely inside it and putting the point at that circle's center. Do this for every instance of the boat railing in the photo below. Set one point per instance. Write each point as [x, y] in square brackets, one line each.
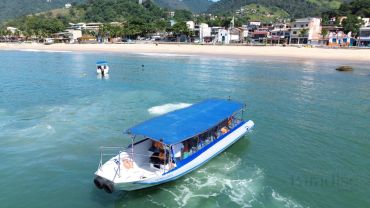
[129, 155]
[110, 152]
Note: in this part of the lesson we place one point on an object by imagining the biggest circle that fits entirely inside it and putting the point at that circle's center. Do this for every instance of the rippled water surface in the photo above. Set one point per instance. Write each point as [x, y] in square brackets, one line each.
[310, 146]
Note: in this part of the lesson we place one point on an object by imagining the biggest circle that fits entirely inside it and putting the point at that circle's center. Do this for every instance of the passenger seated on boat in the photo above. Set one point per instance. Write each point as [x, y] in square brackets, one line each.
[156, 146]
[159, 158]
[177, 151]
[186, 152]
[224, 130]
[230, 122]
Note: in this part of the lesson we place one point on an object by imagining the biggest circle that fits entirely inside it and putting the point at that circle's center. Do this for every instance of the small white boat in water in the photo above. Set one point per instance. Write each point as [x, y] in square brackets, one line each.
[102, 68]
[169, 146]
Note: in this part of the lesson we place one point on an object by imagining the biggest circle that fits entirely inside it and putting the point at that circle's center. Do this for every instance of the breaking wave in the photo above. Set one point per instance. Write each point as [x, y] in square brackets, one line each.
[162, 109]
[45, 51]
[166, 54]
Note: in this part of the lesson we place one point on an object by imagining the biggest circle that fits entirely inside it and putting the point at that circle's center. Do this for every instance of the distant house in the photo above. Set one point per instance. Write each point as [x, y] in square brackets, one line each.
[260, 35]
[68, 36]
[204, 32]
[280, 34]
[235, 35]
[223, 36]
[305, 31]
[12, 29]
[255, 23]
[92, 26]
[190, 25]
[336, 37]
[364, 37]
[68, 5]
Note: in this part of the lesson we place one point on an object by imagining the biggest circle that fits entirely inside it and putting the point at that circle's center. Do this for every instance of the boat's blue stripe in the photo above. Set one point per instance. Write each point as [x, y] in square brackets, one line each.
[205, 148]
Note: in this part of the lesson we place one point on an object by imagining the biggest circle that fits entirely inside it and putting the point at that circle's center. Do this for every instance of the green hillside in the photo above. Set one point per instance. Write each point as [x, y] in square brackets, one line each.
[196, 6]
[15, 8]
[296, 8]
[262, 13]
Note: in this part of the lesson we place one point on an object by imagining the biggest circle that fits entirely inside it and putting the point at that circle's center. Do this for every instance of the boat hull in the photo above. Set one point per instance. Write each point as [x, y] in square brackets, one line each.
[106, 71]
[194, 161]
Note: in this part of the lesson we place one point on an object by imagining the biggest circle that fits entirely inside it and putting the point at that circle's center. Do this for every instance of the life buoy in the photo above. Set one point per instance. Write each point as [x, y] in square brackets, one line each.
[128, 164]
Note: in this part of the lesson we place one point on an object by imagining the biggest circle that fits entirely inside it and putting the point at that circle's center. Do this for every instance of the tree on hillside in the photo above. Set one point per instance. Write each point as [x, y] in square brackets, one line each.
[352, 24]
[181, 28]
[182, 15]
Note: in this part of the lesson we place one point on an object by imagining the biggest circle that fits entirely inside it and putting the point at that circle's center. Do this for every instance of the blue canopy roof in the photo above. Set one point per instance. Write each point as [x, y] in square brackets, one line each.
[180, 125]
[101, 62]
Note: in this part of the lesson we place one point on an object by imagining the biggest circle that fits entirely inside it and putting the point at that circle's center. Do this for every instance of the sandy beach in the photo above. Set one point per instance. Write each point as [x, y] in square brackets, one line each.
[354, 54]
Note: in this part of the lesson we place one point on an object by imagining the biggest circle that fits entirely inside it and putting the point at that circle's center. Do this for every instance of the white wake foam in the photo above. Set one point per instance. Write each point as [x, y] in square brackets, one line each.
[162, 109]
[217, 180]
[285, 201]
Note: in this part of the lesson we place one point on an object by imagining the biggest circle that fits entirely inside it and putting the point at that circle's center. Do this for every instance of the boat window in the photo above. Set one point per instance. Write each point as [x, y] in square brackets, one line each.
[196, 143]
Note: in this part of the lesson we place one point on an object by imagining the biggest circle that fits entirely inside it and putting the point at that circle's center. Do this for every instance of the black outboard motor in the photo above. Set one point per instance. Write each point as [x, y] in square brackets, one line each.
[98, 181]
[101, 183]
[102, 71]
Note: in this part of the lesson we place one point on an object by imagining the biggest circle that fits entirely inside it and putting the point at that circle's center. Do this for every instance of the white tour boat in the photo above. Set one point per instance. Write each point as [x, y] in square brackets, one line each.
[169, 146]
[102, 68]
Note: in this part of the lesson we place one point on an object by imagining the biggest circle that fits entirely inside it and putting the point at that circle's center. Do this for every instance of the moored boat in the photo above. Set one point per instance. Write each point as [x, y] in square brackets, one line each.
[167, 147]
[102, 68]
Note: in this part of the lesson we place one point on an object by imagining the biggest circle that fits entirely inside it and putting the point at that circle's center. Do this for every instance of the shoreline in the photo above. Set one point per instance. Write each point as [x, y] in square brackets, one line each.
[275, 52]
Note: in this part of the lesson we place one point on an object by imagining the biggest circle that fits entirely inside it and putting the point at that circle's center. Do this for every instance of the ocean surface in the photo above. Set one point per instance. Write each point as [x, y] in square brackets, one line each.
[310, 146]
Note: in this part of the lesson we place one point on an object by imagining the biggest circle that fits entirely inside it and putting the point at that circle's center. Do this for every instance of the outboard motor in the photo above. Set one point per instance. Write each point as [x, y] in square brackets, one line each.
[108, 187]
[101, 183]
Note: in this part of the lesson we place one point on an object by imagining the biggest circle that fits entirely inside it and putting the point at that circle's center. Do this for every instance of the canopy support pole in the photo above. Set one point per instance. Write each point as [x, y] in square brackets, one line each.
[132, 148]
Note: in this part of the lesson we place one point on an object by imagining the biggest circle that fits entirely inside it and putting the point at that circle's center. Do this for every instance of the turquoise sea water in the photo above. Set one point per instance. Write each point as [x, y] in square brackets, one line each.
[310, 146]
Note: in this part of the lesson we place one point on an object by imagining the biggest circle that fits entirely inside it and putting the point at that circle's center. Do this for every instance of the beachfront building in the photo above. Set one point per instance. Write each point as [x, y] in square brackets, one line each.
[280, 34]
[92, 26]
[68, 36]
[222, 37]
[364, 37]
[305, 31]
[235, 35]
[260, 35]
[203, 31]
[334, 36]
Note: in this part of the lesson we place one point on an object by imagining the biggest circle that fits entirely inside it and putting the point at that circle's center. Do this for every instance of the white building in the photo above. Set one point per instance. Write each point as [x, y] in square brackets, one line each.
[67, 6]
[190, 25]
[366, 22]
[364, 36]
[312, 26]
[223, 36]
[74, 35]
[204, 32]
[92, 26]
[12, 29]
